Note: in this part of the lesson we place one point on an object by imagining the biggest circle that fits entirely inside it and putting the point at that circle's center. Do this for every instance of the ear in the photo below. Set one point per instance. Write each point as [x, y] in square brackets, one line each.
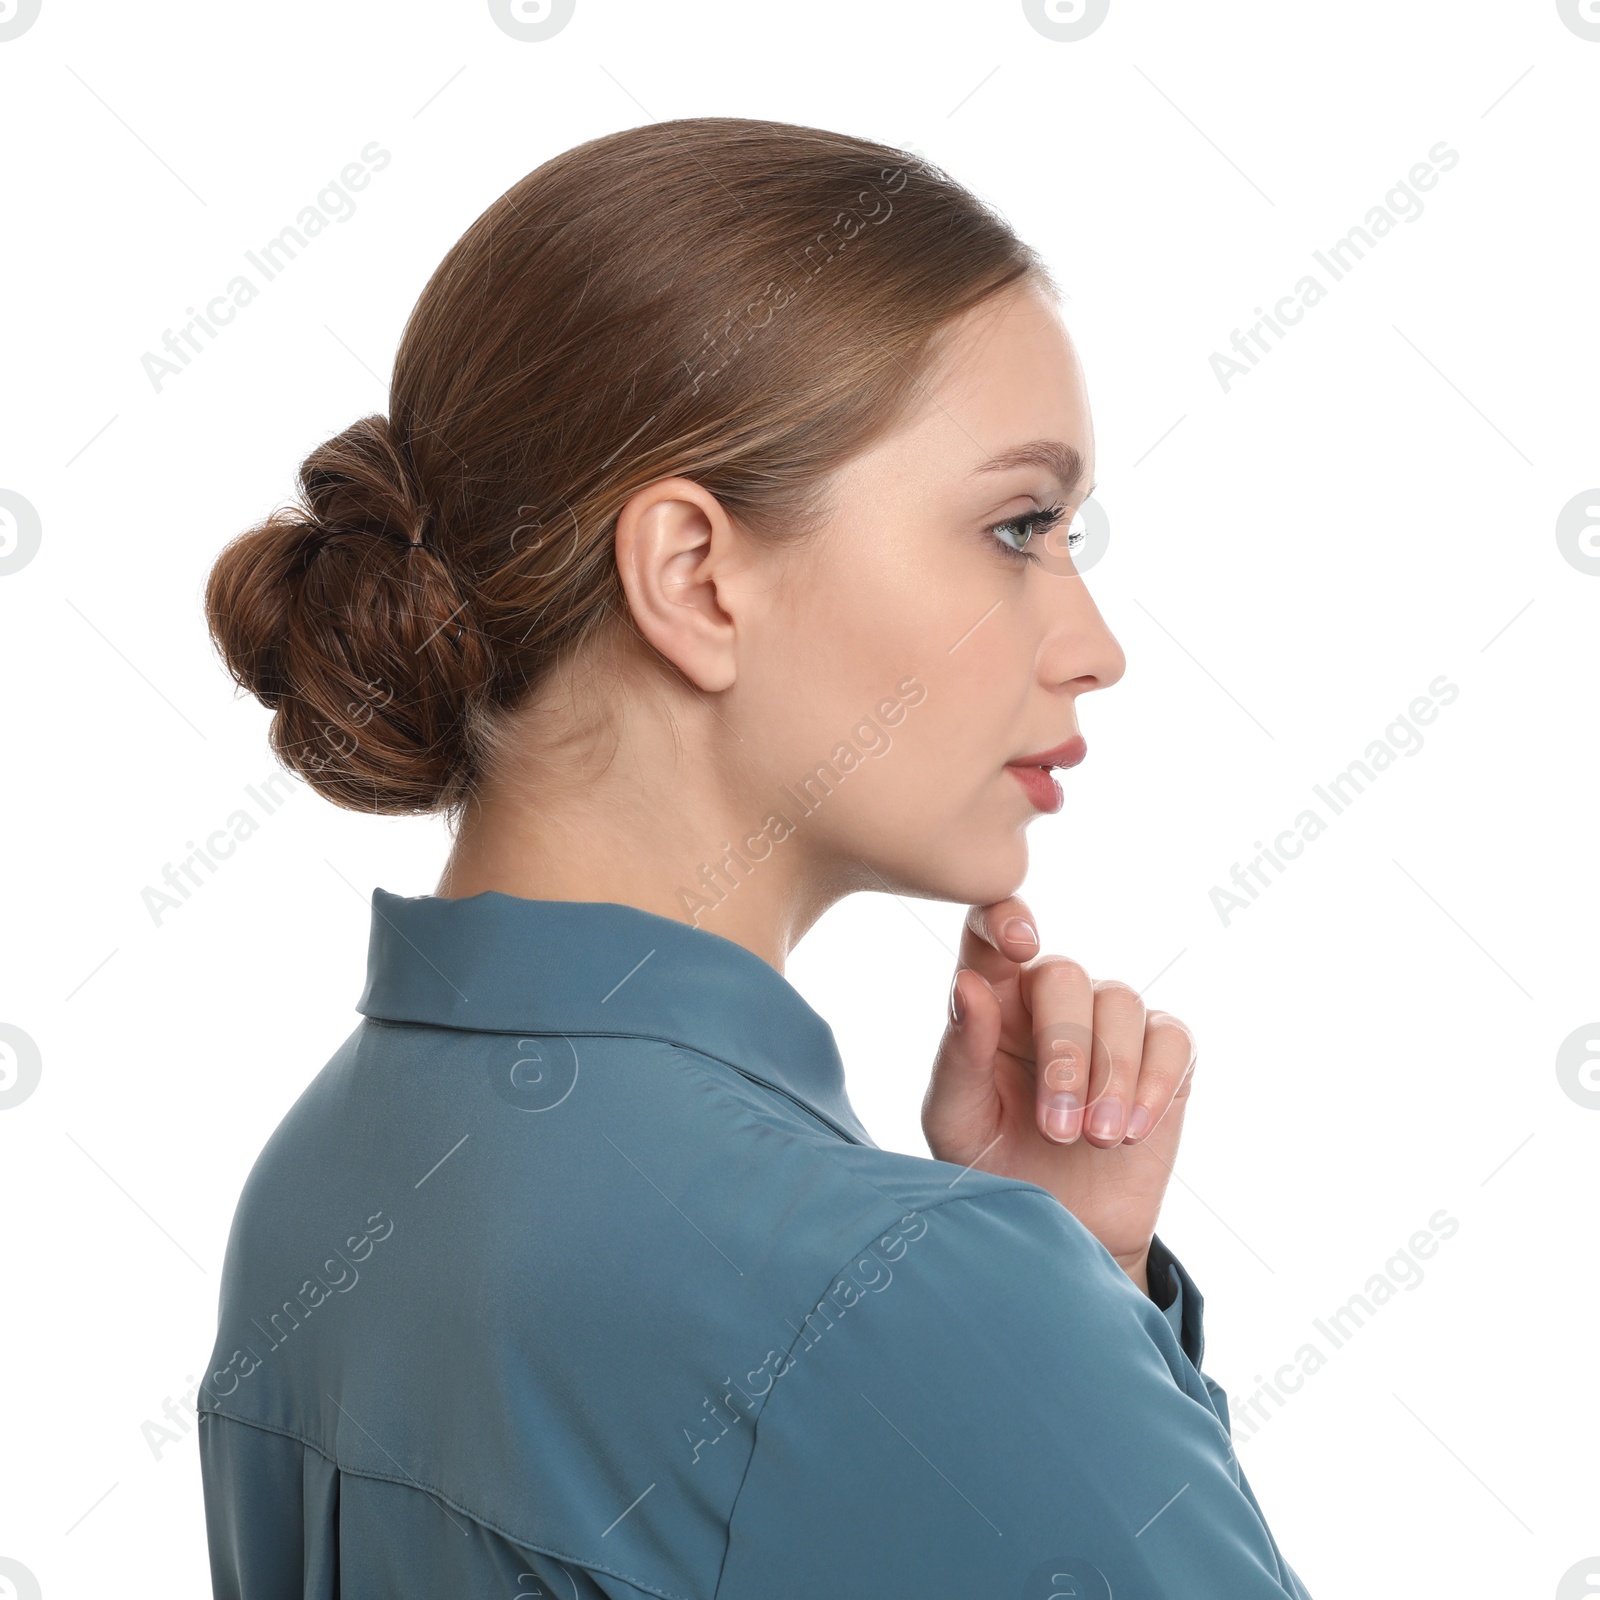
[676, 549]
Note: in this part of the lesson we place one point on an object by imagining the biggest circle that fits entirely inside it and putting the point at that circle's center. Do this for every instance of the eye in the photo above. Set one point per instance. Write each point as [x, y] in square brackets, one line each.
[1016, 533]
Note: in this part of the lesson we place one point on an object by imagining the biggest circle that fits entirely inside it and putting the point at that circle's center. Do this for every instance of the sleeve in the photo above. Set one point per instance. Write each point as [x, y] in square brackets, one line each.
[1184, 1314]
[983, 1402]
[272, 1514]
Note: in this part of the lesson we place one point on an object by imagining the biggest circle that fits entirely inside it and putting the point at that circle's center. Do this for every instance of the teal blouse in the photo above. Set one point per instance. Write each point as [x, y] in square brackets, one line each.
[573, 1273]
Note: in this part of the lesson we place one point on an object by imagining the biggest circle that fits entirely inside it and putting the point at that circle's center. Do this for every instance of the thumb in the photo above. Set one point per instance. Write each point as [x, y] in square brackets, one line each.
[961, 1108]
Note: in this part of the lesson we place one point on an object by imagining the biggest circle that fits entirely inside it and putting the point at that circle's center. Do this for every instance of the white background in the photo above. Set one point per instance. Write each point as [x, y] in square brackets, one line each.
[1291, 564]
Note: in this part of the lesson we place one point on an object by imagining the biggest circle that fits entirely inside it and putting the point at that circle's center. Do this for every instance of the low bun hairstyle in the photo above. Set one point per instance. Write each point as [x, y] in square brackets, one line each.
[745, 303]
[340, 615]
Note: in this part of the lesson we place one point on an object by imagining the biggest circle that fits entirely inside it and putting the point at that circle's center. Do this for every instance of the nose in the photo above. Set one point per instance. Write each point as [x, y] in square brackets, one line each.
[1080, 652]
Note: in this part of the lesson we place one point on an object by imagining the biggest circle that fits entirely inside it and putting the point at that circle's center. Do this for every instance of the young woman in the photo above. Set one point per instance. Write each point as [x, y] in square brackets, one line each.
[712, 564]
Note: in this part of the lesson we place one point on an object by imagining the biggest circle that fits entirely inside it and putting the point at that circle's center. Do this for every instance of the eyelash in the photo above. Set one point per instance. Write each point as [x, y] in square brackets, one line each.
[1037, 522]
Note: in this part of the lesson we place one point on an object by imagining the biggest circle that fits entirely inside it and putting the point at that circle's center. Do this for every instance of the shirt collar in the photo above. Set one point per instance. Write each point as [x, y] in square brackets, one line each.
[497, 963]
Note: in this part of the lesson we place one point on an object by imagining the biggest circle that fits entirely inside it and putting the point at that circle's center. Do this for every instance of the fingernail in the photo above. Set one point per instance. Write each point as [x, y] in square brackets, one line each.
[1105, 1121]
[1020, 929]
[1061, 1113]
[958, 1006]
[1138, 1122]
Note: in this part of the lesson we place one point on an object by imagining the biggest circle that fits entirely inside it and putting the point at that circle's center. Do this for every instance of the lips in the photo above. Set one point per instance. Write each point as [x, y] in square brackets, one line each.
[1062, 755]
[1033, 772]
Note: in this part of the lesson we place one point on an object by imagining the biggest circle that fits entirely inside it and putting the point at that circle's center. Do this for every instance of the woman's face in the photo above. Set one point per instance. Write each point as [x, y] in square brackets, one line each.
[908, 655]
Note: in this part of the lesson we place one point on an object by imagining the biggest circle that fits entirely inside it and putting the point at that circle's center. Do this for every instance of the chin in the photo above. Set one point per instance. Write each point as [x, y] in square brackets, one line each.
[968, 874]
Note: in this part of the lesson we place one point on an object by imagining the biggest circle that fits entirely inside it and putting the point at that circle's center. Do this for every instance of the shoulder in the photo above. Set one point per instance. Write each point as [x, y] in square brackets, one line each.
[983, 1392]
[1003, 1267]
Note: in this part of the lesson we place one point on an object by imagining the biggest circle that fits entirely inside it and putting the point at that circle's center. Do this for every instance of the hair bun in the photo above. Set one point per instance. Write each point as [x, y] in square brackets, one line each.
[339, 615]
[363, 482]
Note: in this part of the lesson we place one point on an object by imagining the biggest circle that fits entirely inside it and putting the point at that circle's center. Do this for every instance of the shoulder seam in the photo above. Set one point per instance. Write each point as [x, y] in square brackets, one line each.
[999, 1186]
[733, 1066]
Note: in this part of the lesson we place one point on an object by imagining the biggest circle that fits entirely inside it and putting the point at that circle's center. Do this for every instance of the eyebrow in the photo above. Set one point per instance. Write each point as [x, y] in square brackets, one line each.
[1061, 461]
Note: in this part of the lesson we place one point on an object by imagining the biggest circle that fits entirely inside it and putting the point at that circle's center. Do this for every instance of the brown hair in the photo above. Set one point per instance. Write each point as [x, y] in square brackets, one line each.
[748, 304]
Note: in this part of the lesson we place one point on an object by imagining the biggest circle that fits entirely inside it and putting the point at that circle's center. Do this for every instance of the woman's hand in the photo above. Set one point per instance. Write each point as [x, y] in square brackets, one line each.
[1030, 1037]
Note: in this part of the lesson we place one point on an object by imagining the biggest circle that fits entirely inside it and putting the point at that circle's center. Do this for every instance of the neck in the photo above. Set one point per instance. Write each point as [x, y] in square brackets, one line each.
[625, 833]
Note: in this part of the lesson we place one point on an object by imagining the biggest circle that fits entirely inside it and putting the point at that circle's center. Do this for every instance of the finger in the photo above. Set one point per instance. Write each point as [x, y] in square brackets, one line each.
[1162, 1141]
[997, 938]
[1061, 999]
[1165, 1073]
[1119, 1028]
[961, 1099]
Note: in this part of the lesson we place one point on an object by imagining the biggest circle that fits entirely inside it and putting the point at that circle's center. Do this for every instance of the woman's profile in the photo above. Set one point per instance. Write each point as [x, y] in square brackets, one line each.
[712, 563]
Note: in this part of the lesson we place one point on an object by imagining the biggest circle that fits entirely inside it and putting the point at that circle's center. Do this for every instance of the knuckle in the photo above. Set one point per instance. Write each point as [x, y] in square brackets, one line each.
[1120, 1020]
[1165, 1022]
[1071, 1044]
[1065, 1070]
[1117, 992]
[1062, 970]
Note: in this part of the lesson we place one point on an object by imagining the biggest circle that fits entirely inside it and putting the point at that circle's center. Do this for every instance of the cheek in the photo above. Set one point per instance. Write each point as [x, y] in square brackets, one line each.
[939, 783]
[977, 693]
[816, 678]
[853, 630]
